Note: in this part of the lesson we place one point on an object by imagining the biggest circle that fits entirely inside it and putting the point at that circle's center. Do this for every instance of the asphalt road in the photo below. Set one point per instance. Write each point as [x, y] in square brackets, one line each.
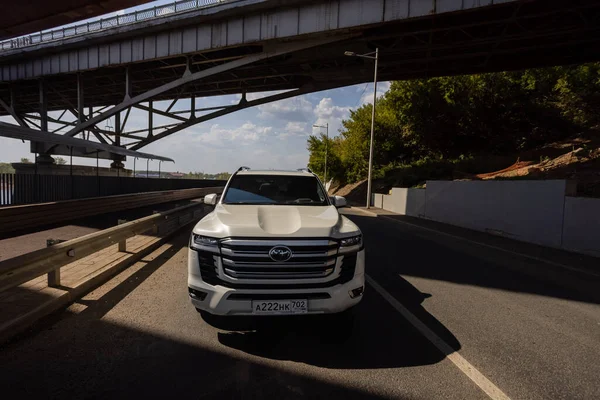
[139, 336]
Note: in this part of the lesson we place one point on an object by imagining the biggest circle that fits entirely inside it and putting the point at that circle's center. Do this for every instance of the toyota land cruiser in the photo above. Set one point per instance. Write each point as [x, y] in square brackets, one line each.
[275, 244]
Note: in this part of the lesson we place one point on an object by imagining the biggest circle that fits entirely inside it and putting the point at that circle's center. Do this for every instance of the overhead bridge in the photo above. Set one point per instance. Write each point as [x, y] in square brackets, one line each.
[243, 46]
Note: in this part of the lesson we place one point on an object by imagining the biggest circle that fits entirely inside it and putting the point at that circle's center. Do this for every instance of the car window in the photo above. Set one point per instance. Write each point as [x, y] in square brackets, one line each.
[275, 189]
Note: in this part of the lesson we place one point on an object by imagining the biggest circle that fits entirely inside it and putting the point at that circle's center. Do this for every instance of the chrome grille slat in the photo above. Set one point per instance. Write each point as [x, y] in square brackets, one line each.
[259, 254]
[276, 275]
[275, 242]
[277, 265]
[249, 259]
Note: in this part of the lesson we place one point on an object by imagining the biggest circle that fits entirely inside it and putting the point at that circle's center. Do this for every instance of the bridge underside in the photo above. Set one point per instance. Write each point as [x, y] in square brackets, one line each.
[36, 15]
[509, 36]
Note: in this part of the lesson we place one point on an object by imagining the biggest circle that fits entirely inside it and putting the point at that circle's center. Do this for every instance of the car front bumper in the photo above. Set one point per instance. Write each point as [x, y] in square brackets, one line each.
[323, 300]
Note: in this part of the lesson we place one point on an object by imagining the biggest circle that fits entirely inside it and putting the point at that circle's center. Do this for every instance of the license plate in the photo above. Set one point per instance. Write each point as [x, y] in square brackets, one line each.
[280, 307]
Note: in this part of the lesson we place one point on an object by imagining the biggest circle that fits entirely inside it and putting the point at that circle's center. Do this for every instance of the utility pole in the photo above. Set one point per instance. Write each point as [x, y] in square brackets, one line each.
[326, 126]
[376, 58]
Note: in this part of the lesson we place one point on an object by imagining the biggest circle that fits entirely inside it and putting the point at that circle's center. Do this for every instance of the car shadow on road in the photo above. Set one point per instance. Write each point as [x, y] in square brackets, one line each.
[381, 337]
[96, 359]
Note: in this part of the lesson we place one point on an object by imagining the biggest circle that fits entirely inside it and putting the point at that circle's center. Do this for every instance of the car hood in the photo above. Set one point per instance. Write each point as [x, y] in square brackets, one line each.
[274, 221]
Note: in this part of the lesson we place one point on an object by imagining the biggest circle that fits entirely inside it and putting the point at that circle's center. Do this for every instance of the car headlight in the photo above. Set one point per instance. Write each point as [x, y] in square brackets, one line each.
[351, 241]
[204, 240]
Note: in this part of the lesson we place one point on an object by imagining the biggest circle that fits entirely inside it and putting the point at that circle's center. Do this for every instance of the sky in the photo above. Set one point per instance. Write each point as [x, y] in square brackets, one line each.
[269, 136]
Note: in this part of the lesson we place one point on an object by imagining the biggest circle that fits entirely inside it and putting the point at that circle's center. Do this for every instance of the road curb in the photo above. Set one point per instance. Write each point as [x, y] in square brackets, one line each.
[361, 210]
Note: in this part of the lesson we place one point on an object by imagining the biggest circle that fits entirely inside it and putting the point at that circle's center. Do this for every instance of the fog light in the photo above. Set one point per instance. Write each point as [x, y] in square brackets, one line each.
[356, 292]
[197, 294]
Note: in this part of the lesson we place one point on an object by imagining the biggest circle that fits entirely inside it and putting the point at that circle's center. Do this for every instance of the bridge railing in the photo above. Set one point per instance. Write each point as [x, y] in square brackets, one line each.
[20, 189]
[107, 23]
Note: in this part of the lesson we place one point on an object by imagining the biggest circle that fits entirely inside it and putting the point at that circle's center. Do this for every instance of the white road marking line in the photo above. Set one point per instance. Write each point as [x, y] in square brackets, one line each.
[586, 272]
[469, 370]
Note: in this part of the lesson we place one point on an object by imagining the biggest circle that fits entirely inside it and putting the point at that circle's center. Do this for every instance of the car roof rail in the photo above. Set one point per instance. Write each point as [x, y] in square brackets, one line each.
[305, 169]
[243, 168]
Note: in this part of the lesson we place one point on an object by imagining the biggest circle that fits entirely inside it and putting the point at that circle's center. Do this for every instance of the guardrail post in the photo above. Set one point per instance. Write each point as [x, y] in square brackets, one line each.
[155, 227]
[54, 276]
[122, 243]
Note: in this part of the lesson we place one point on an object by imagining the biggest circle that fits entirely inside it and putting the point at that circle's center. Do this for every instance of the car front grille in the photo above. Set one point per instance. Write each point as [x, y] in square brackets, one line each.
[248, 259]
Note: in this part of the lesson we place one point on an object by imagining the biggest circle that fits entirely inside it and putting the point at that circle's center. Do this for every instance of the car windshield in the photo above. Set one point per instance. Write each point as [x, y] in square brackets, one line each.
[275, 189]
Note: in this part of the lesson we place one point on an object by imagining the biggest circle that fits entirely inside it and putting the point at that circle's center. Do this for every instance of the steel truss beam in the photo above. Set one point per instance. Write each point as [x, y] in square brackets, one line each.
[182, 119]
[228, 110]
[188, 77]
[11, 110]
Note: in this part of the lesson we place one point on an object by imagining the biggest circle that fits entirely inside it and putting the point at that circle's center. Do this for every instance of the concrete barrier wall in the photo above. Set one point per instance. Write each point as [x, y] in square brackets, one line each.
[531, 211]
[408, 201]
[581, 231]
[402, 201]
[377, 200]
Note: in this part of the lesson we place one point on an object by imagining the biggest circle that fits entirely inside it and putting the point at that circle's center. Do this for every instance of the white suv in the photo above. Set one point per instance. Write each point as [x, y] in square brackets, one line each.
[275, 244]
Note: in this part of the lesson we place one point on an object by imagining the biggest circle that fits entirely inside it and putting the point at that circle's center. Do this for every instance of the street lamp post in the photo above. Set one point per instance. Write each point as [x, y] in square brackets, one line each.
[326, 126]
[376, 58]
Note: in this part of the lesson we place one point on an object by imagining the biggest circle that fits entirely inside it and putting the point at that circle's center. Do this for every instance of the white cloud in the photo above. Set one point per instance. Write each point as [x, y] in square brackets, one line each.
[296, 127]
[367, 97]
[292, 109]
[326, 112]
[247, 132]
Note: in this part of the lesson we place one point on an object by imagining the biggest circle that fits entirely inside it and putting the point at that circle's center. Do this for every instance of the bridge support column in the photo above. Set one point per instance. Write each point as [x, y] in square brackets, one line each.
[42, 157]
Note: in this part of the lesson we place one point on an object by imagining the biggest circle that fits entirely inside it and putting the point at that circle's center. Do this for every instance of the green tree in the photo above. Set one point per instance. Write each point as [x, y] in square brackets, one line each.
[222, 176]
[6, 168]
[455, 118]
[317, 146]
[60, 160]
[25, 160]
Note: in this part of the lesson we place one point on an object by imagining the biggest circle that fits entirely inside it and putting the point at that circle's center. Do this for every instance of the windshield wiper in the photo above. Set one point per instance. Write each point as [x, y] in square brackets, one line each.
[303, 201]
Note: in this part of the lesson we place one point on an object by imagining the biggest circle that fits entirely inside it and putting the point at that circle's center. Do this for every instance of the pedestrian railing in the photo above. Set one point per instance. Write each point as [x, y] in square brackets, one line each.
[107, 23]
[7, 185]
[20, 189]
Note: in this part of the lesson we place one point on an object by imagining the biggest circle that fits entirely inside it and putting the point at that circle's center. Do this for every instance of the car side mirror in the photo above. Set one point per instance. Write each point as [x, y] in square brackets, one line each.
[339, 201]
[210, 199]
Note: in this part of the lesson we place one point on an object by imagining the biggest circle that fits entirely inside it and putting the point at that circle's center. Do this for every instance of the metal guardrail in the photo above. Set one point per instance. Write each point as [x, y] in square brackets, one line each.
[14, 218]
[107, 23]
[18, 270]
